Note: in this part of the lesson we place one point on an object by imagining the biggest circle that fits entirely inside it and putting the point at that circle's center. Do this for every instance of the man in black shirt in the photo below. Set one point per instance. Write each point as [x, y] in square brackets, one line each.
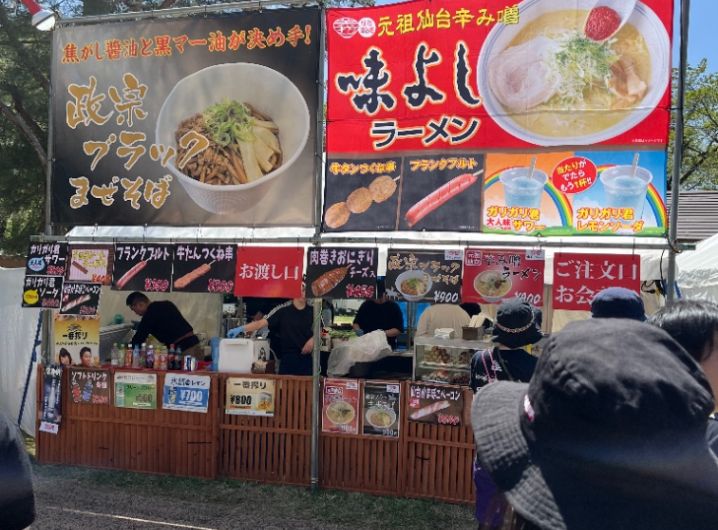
[380, 313]
[163, 321]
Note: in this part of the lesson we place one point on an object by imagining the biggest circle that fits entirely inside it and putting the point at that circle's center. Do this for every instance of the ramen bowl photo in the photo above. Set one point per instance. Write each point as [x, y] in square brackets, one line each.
[413, 285]
[544, 82]
[340, 412]
[380, 417]
[492, 285]
[238, 128]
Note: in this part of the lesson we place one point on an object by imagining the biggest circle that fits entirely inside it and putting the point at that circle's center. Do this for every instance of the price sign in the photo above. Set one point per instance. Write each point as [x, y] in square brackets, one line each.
[135, 391]
[186, 392]
[250, 396]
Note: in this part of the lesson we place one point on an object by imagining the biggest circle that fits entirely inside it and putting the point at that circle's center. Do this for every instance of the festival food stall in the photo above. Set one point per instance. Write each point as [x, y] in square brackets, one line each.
[433, 177]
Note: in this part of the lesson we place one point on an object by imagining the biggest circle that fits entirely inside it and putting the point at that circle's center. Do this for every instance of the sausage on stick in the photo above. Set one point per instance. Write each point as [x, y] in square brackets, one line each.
[184, 281]
[126, 277]
[439, 196]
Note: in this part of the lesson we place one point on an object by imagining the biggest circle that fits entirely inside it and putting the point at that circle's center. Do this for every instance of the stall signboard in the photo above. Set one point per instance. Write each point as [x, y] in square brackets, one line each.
[576, 193]
[204, 268]
[135, 390]
[80, 298]
[51, 399]
[381, 413]
[44, 270]
[186, 392]
[438, 404]
[78, 337]
[205, 120]
[578, 277]
[431, 275]
[250, 396]
[142, 267]
[340, 406]
[90, 386]
[341, 272]
[491, 275]
[90, 263]
[269, 272]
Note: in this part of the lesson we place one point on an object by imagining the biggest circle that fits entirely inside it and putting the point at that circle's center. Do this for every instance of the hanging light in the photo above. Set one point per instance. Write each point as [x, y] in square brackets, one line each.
[42, 19]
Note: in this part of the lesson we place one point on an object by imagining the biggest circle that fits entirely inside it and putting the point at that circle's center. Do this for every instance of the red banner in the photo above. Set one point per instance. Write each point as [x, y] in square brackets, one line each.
[269, 272]
[466, 74]
[493, 275]
[578, 277]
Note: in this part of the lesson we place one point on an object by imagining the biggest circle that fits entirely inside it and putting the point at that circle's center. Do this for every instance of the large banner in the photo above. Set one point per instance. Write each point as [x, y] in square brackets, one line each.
[447, 82]
[195, 120]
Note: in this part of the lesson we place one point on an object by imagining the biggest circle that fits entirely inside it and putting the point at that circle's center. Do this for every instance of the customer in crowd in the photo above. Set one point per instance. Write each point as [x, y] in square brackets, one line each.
[380, 313]
[608, 434]
[64, 357]
[694, 325]
[17, 501]
[618, 302]
[517, 325]
[442, 316]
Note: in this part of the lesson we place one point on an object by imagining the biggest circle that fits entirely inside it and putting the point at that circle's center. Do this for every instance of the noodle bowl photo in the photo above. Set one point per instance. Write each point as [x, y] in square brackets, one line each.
[492, 285]
[545, 82]
[413, 285]
[250, 122]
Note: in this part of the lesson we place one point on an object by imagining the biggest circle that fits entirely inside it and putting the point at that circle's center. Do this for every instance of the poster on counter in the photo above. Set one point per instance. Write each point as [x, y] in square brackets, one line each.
[269, 272]
[44, 270]
[186, 392]
[135, 390]
[437, 404]
[90, 386]
[77, 340]
[187, 121]
[424, 275]
[204, 268]
[80, 298]
[492, 275]
[145, 267]
[341, 272]
[51, 399]
[90, 263]
[250, 396]
[578, 277]
[381, 411]
[340, 406]
[576, 193]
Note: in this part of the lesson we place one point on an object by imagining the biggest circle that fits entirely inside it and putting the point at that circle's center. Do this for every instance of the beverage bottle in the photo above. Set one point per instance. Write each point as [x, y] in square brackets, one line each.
[136, 357]
[162, 359]
[114, 355]
[171, 358]
[143, 355]
[128, 356]
[150, 357]
[179, 360]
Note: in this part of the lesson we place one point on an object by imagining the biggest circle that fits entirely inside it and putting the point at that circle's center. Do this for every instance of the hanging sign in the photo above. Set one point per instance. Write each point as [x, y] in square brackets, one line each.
[51, 399]
[90, 263]
[269, 272]
[77, 340]
[341, 272]
[431, 275]
[142, 267]
[80, 298]
[44, 271]
[204, 268]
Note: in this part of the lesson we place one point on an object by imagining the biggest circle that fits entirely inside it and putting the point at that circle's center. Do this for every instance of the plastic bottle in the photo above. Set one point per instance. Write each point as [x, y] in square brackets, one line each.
[128, 355]
[143, 355]
[136, 357]
[115, 355]
[171, 358]
[150, 360]
[179, 361]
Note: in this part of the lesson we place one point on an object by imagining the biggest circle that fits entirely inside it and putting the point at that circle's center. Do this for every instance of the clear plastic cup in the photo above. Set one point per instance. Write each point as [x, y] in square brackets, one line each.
[522, 190]
[623, 189]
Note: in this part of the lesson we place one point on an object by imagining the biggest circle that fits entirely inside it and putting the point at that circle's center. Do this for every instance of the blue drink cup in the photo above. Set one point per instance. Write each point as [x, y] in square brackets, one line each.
[522, 190]
[624, 189]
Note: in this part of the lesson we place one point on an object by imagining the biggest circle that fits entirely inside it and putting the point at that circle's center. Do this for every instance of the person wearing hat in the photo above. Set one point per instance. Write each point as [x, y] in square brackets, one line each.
[608, 434]
[618, 302]
[517, 325]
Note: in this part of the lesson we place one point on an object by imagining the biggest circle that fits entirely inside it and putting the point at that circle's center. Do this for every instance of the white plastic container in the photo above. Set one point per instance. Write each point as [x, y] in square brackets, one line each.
[237, 355]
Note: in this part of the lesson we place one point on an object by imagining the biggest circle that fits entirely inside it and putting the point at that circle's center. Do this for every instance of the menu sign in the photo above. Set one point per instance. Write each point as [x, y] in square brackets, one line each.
[90, 386]
[578, 277]
[493, 275]
[44, 271]
[135, 390]
[250, 396]
[205, 120]
[341, 272]
[51, 399]
[80, 298]
[42, 291]
[381, 414]
[269, 272]
[91, 264]
[186, 392]
[443, 405]
[142, 267]
[204, 268]
[340, 406]
[432, 275]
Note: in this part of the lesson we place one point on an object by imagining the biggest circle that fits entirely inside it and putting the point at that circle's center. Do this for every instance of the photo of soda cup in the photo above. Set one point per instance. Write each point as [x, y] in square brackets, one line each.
[626, 187]
[523, 188]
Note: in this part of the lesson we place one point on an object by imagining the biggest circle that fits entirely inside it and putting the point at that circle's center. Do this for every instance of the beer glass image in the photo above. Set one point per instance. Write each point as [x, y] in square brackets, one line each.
[626, 187]
[523, 187]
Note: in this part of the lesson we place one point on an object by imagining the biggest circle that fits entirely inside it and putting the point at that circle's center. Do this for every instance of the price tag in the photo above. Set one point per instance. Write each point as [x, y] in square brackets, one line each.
[189, 393]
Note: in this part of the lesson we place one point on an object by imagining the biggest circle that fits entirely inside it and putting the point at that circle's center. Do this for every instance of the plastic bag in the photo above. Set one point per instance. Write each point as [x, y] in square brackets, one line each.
[370, 347]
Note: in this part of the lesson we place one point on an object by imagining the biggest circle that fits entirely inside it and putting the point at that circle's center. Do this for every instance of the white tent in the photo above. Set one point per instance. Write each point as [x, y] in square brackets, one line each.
[698, 271]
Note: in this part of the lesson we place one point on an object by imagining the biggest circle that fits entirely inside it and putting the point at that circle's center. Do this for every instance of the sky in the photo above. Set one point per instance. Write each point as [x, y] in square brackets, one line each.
[701, 31]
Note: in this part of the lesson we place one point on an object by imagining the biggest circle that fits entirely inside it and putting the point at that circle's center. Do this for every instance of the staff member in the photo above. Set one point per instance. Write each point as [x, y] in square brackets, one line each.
[380, 313]
[163, 320]
[293, 323]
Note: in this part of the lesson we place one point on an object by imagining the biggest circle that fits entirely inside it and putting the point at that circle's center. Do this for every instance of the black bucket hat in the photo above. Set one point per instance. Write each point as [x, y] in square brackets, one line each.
[517, 324]
[609, 434]
[618, 302]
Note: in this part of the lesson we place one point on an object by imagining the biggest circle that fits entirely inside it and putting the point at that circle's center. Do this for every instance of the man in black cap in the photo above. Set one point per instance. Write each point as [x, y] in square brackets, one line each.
[618, 302]
[609, 433]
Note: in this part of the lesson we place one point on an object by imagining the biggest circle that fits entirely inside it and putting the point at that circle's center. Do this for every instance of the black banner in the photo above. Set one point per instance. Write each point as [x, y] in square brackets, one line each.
[341, 272]
[142, 267]
[80, 298]
[204, 268]
[431, 275]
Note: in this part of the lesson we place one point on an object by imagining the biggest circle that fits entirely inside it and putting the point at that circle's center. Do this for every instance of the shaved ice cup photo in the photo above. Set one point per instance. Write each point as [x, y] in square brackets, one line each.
[626, 187]
[523, 187]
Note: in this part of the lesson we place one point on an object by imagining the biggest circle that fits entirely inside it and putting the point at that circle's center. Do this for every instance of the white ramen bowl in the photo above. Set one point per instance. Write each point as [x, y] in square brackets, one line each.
[267, 90]
[408, 275]
[643, 19]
